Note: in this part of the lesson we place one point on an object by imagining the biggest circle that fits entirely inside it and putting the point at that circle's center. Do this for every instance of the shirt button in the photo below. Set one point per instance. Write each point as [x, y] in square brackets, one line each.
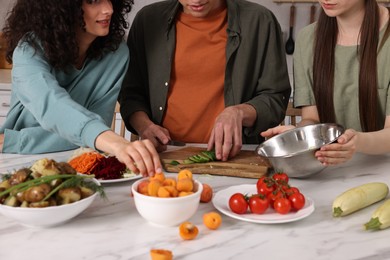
[166, 84]
[160, 108]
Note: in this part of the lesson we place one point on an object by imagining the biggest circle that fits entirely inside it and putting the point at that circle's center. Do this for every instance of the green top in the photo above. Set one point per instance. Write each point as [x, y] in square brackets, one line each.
[52, 110]
[346, 82]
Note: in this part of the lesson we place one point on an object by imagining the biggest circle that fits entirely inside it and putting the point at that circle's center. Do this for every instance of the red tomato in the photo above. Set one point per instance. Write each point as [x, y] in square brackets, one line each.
[238, 203]
[297, 201]
[273, 196]
[282, 205]
[281, 177]
[264, 187]
[291, 190]
[295, 190]
[258, 204]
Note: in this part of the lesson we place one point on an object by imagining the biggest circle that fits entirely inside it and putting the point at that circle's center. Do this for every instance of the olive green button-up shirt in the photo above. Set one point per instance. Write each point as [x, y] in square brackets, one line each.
[346, 78]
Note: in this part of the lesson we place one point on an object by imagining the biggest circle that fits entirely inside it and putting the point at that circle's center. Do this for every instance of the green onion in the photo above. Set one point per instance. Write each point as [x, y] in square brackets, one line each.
[70, 181]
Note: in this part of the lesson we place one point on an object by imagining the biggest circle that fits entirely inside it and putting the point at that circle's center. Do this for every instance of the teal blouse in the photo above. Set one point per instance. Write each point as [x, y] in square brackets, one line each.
[53, 110]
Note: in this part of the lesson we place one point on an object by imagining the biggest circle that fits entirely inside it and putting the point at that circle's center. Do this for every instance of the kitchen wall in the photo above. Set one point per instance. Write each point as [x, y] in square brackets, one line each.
[281, 11]
[5, 6]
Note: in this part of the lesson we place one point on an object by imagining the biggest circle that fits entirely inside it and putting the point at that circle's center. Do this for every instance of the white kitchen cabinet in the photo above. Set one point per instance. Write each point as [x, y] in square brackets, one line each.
[5, 98]
[5, 93]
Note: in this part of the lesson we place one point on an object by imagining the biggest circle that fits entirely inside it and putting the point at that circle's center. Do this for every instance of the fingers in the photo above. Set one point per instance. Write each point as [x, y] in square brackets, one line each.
[163, 137]
[157, 135]
[142, 157]
[157, 143]
[347, 136]
[332, 158]
[335, 153]
[130, 163]
[223, 143]
[218, 141]
[227, 141]
[153, 165]
[235, 150]
[237, 144]
[276, 130]
[210, 144]
[268, 133]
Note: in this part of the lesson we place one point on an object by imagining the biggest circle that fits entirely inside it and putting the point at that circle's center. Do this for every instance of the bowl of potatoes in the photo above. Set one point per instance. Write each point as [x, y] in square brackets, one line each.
[48, 193]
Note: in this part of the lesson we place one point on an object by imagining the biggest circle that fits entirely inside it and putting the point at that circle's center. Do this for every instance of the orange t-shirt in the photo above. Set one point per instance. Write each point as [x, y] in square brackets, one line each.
[196, 94]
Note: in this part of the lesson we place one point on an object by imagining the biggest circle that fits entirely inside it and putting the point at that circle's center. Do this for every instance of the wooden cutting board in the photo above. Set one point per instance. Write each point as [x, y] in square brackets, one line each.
[247, 164]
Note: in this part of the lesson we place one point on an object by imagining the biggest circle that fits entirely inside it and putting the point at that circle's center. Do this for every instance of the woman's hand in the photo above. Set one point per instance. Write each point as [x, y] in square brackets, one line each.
[276, 130]
[341, 151]
[139, 156]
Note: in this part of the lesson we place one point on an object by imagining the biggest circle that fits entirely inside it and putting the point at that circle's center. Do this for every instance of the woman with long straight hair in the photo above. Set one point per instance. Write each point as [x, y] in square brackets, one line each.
[341, 75]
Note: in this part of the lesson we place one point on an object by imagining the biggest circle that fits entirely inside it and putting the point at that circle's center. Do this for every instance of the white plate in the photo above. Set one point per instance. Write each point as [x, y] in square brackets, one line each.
[135, 177]
[221, 202]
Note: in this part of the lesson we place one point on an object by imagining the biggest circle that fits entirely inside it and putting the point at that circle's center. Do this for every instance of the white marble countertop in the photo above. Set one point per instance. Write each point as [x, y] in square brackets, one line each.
[113, 229]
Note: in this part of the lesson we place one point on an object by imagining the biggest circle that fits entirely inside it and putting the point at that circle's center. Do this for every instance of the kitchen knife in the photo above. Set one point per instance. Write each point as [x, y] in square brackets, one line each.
[176, 143]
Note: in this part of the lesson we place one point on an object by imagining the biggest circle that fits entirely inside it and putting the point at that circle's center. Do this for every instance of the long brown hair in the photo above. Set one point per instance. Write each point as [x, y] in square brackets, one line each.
[324, 66]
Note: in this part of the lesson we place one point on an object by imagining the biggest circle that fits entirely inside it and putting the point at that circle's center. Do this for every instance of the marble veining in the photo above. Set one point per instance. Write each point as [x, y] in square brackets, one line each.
[113, 230]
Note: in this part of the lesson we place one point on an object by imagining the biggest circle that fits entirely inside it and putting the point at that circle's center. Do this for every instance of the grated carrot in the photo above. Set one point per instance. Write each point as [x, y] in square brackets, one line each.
[85, 162]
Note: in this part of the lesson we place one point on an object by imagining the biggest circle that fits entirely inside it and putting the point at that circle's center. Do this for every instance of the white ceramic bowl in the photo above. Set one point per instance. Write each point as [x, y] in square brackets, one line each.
[49, 216]
[166, 211]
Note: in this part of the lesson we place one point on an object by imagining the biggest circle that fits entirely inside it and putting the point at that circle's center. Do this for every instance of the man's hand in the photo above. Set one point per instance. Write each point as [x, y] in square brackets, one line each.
[226, 136]
[158, 135]
[146, 129]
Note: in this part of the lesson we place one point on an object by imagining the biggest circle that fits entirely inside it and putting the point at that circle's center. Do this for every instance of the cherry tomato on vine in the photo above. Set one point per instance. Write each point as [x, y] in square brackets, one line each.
[264, 187]
[281, 177]
[291, 190]
[297, 201]
[238, 203]
[282, 205]
[273, 196]
[258, 204]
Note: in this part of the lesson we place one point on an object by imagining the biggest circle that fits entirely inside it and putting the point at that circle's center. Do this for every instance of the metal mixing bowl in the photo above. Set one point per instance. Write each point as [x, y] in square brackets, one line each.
[293, 151]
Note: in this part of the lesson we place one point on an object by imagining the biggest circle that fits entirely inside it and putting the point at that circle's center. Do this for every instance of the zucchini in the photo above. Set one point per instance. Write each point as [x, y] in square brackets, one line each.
[199, 158]
[380, 219]
[203, 157]
[210, 155]
[359, 197]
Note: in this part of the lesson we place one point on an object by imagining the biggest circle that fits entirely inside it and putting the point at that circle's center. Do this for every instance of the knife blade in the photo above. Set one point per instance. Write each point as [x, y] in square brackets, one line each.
[176, 143]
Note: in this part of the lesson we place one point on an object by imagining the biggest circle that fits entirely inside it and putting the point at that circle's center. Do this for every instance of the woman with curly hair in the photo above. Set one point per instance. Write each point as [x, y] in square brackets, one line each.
[69, 60]
[341, 74]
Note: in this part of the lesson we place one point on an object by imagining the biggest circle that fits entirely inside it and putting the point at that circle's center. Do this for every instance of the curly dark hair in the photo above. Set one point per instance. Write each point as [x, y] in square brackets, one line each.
[54, 23]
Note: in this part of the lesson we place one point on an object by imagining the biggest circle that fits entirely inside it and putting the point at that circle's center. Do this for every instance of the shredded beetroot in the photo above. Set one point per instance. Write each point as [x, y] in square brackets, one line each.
[108, 168]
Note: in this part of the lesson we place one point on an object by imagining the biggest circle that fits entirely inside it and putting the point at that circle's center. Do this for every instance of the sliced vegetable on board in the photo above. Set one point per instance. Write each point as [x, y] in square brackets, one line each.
[380, 219]
[359, 197]
[202, 157]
